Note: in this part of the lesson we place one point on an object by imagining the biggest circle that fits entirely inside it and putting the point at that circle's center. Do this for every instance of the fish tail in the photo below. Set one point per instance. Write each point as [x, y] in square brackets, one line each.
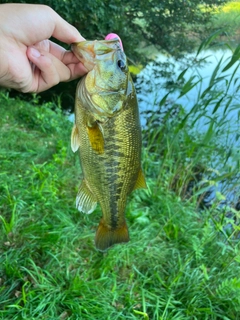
[106, 236]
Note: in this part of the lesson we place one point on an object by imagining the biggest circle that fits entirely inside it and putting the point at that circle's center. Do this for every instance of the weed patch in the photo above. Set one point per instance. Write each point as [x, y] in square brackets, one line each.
[182, 261]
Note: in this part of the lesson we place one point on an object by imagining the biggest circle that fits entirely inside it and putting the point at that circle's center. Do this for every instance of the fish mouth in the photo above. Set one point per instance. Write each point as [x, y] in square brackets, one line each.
[106, 82]
[88, 51]
[103, 91]
[85, 53]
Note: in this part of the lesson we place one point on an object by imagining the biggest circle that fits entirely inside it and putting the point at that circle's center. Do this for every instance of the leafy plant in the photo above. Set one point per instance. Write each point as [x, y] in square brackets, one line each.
[144, 26]
[182, 261]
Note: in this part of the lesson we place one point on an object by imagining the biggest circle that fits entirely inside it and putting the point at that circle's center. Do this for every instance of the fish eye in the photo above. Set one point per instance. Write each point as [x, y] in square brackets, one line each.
[121, 64]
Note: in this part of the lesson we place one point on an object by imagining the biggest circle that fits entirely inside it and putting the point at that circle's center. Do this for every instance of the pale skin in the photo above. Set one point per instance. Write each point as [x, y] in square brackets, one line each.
[29, 61]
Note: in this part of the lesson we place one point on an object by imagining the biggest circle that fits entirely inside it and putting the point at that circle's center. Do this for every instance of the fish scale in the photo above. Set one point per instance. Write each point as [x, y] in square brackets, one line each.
[110, 154]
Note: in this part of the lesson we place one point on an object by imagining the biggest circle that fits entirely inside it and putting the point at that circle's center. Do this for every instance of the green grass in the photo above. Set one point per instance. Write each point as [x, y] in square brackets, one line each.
[182, 263]
[227, 18]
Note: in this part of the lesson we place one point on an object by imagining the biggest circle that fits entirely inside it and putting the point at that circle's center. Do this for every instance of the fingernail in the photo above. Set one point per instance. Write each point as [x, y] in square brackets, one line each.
[35, 53]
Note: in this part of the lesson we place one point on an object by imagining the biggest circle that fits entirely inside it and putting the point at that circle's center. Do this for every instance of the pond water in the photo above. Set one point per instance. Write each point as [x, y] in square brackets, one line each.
[151, 88]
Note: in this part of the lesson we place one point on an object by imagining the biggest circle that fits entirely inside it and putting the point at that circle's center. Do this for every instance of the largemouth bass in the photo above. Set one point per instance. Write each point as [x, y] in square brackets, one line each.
[108, 135]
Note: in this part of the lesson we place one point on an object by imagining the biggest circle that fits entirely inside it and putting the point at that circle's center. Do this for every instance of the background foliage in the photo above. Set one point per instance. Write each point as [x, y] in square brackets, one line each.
[167, 24]
[183, 260]
[171, 25]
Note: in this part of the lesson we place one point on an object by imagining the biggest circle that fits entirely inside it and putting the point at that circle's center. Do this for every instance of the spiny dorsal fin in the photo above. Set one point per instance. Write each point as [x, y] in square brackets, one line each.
[96, 138]
[85, 200]
[140, 183]
[75, 141]
[106, 237]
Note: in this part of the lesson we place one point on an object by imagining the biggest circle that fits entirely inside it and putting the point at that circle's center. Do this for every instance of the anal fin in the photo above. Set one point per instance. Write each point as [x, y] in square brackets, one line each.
[85, 200]
[141, 182]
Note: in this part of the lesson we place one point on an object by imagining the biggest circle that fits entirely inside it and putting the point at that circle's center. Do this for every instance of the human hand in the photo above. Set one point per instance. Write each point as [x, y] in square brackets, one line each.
[29, 62]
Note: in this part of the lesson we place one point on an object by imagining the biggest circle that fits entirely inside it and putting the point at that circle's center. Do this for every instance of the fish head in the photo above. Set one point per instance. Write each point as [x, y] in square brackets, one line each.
[106, 82]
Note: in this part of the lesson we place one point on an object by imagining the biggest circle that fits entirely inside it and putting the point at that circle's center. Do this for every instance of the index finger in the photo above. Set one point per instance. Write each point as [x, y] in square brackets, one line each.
[64, 31]
[33, 23]
[66, 56]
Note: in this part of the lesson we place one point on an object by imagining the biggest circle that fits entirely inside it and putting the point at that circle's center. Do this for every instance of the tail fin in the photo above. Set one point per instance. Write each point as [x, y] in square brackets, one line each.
[106, 237]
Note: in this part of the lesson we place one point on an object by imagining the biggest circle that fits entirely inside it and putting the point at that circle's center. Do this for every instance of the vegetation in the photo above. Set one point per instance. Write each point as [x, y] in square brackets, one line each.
[165, 24]
[170, 25]
[227, 18]
[183, 260]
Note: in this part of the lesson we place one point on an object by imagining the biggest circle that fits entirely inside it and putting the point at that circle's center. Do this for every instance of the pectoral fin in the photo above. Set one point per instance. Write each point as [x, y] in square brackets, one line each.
[85, 200]
[96, 138]
[75, 141]
[140, 183]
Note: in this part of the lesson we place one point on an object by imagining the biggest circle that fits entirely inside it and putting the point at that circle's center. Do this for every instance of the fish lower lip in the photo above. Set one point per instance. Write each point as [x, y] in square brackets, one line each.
[106, 92]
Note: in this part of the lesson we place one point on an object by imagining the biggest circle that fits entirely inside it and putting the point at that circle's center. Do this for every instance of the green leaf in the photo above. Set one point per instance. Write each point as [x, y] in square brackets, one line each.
[208, 40]
[227, 104]
[188, 86]
[215, 71]
[234, 59]
[182, 74]
[163, 100]
[218, 104]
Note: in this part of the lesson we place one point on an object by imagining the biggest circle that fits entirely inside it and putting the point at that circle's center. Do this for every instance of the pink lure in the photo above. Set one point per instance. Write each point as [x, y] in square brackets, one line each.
[111, 36]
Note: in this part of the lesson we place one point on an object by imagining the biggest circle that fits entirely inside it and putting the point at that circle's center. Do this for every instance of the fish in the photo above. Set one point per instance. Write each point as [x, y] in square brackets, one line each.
[107, 133]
